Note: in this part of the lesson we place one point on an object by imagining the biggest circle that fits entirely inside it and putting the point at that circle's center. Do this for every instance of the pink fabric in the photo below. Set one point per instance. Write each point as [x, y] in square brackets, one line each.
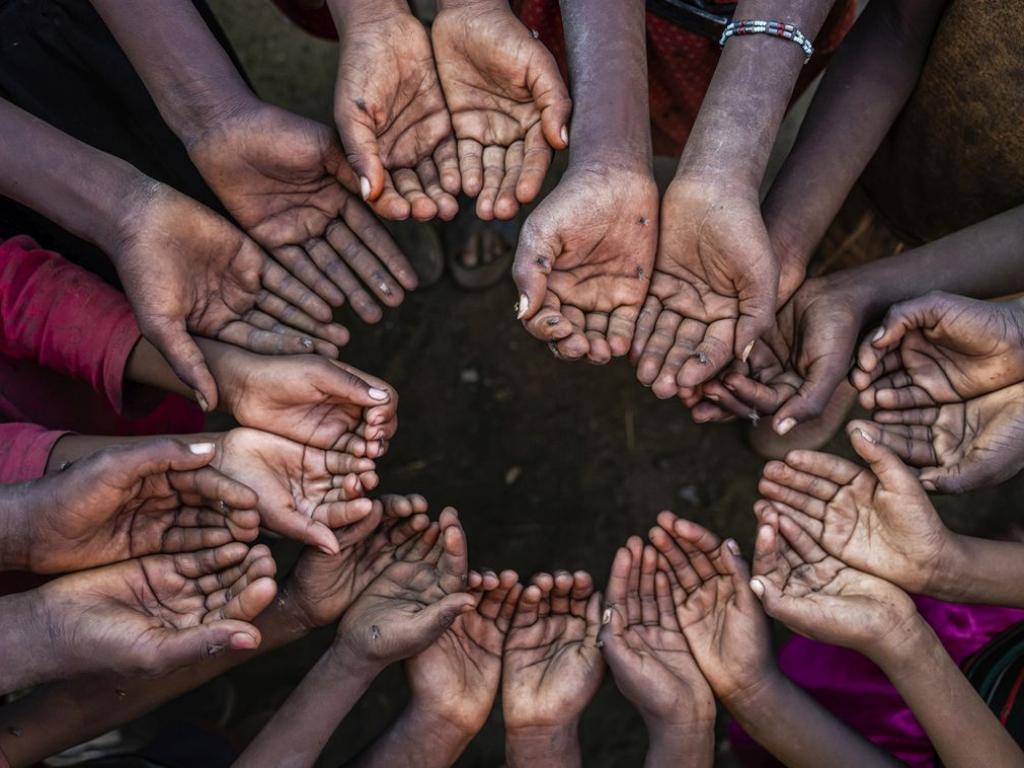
[859, 694]
[24, 451]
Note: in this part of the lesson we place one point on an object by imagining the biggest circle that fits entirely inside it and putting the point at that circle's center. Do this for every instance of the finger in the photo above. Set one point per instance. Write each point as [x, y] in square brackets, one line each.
[535, 162]
[368, 228]
[298, 320]
[684, 571]
[408, 185]
[898, 397]
[333, 265]
[494, 172]
[528, 608]
[506, 206]
[633, 609]
[711, 355]
[688, 334]
[442, 614]
[391, 205]
[471, 166]
[763, 398]
[195, 565]
[648, 602]
[833, 468]
[596, 329]
[249, 602]
[805, 546]
[592, 614]
[362, 150]
[298, 263]
[645, 323]
[913, 444]
[549, 324]
[534, 259]
[618, 578]
[551, 96]
[401, 506]
[446, 158]
[454, 562]
[560, 592]
[920, 312]
[873, 364]
[924, 417]
[665, 604]
[365, 264]
[823, 378]
[183, 647]
[263, 334]
[302, 301]
[182, 353]
[660, 340]
[508, 607]
[757, 298]
[621, 326]
[892, 473]
[582, 590]
[297, 526]
[430, 180]
[812, 486]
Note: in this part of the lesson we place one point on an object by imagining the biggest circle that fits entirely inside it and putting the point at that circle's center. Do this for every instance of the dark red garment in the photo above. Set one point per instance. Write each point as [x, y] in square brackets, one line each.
[680, 63]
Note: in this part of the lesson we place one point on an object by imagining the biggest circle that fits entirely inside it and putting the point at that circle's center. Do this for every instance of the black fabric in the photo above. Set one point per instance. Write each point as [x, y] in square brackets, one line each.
[59, 62]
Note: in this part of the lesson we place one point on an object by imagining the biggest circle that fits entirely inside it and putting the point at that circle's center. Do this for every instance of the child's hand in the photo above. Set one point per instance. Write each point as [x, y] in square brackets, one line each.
[552, 666]
[878, 519]
[154, 614]
[721, 619]
[321, 587]
[147, 498]
[310, 399]
[456, 678]
[412, 602]
[823, 598]
[940, 348]
[645, 647]
[303, 492]
[958, 447]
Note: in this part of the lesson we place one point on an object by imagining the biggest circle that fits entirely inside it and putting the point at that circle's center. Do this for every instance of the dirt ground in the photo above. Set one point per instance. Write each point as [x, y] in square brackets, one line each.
[551, 465]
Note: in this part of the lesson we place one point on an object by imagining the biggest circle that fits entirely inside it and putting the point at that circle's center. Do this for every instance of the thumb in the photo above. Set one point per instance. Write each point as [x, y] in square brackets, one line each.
[892, 473]
[552, 97]
[823, 379]
[351, 387]
[534, 260]
[442, 614]
[757, 308]
[914, 313]
[198, 644]
[173, 341]
[363, 152]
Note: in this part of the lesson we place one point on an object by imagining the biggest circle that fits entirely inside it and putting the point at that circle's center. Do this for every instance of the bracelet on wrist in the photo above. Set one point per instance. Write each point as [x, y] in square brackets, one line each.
[764, 27]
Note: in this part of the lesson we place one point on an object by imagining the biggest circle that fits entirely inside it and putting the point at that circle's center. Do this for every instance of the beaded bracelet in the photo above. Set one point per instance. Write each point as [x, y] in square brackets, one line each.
[775, 28]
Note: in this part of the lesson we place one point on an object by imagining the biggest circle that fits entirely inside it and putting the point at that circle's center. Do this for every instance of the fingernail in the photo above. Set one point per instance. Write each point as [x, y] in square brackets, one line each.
[242, 641]
[204, 404]
[364, 187]
[307, 343]
[732, 546]
[606, 617]
[201, 449]
[524, 305]
[565, 135]
[866, 436]
[785, 426]
[378, 394]
[728, 386]
[878, 334]
[746, 351]
[712, 398]
[757, 587]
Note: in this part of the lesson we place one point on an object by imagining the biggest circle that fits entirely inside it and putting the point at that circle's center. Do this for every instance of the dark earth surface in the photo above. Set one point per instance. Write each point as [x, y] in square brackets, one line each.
[551, 465]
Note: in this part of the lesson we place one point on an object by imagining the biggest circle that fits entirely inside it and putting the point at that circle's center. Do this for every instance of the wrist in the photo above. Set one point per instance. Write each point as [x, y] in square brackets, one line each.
[680, 744]
[758, 694]
[946, 577]
[205, 107]
[33, 640]
[17, 519]
[905, 648]
[543, 745]
[349, 14]
[483, 5]
[349, 667]
[436, 733]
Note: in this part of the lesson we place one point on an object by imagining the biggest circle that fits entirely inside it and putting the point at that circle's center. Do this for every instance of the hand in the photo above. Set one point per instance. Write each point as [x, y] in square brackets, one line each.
[715, 265]
[155, 614]
[940, 349]
[958, 447]
[285, 180]
[321, 587]
[157, 496]
[798, 365]
[823, 598]
[391, 113]
[413, 601]
[508, 104]
[584, 260]
[645, 647]
[314, 401]
[303, 492]
[720, 617]
[185, 269]
[456, 678]
[878, 520]
[552, 666]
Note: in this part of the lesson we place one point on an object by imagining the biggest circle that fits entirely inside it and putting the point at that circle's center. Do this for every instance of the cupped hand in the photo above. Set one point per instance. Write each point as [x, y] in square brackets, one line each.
[822, 597]
[584, 259]
[144, 498]
[797, 366]
[317, 402]
[644, 645]
[457, 677]
[720, 617]
[715, 266]
[939, 349]
[322, 586]
[878, 519]
[391, 113]
[303, 492]
[958, 447]
[186, 269]
[413, 601]
[155, 614]
[285, 180]
[552, 666]
[508, 104]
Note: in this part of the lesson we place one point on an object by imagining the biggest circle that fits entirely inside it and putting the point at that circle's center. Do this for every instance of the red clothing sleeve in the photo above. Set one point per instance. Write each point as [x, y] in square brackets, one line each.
[25, 450]
[64, 318]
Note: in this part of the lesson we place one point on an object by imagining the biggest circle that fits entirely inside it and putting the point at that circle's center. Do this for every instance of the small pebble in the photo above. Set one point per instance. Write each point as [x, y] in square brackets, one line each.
[512, 474]
[470, 376]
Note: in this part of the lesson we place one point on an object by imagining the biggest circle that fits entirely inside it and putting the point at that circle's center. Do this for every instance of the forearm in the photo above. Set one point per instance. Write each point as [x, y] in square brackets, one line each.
[189, 75]
[798, 731]
[981, 571]
[681, 747]
[77, 187]
[30, 654]
[348, 14]
[556, 747]
[297, 733]
[418, 739]
[981, 261]
[57, 716]
[945, 703]
[743, 108]
[864, 89]
[608, 70]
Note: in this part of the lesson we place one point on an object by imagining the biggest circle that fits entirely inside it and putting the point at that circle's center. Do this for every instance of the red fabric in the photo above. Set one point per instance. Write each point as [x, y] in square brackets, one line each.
[679, 63]
[24, 451]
